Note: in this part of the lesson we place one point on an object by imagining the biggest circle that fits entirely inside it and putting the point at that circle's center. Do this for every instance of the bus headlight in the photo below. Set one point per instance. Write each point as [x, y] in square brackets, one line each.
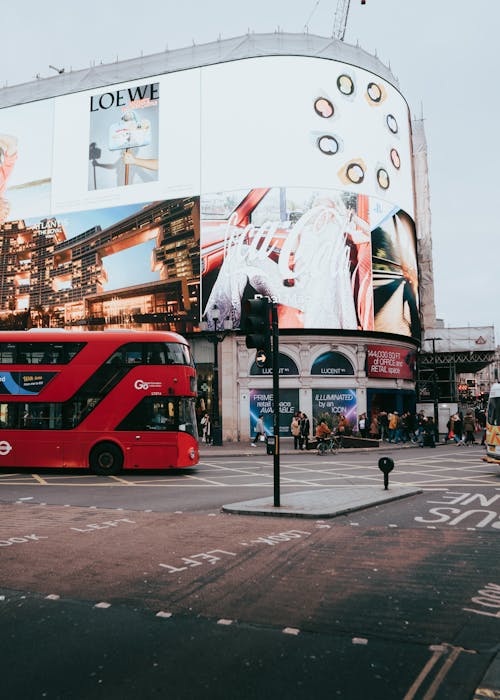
[191, 453]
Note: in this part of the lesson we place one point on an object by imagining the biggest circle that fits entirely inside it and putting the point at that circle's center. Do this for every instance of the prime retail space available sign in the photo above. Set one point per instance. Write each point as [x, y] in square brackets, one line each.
[261, 404]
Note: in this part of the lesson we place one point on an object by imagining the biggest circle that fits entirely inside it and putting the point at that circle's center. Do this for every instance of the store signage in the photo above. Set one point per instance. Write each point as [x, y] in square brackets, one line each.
[332, 364]
[389, 362]
[287, 368]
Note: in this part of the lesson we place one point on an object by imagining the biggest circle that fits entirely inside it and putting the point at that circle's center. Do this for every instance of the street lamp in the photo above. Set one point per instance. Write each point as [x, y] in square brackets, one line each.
[215, 337]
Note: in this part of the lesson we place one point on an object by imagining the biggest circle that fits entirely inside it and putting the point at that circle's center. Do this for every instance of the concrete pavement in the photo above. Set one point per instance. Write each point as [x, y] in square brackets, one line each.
[324, 503]
[238, 449]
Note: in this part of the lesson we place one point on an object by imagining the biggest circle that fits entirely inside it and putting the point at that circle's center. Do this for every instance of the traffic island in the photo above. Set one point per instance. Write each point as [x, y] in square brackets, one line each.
[325, 503]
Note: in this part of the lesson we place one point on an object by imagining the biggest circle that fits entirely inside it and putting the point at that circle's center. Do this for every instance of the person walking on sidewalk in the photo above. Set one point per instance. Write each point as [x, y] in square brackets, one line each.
[383, 424]
[430, 435]
[295, 430]
[260, 431]
[305, 429]
[469, 427]
[207, 429]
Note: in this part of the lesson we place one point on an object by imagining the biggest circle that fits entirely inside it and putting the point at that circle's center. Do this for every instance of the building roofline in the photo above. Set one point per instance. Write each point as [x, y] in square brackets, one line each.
[221, 51]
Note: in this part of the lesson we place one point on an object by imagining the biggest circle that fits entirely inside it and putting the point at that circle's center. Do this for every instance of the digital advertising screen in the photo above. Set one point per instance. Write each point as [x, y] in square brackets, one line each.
[280, 175]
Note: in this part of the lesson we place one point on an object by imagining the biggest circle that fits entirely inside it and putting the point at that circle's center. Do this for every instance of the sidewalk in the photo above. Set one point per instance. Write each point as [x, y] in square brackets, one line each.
[239, 449]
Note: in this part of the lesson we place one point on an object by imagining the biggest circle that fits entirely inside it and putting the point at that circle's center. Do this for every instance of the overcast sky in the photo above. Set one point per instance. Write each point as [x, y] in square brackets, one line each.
[445, 54]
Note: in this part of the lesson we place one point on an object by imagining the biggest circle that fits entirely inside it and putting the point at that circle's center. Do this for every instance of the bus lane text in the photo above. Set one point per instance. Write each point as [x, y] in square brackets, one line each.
[480, 514]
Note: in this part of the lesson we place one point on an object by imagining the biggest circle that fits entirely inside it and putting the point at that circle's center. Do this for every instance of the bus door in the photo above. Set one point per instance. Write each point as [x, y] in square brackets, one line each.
[151, 434]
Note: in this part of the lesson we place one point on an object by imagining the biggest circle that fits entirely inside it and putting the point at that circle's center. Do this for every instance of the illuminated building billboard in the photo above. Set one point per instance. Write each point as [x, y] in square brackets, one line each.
[283, 175]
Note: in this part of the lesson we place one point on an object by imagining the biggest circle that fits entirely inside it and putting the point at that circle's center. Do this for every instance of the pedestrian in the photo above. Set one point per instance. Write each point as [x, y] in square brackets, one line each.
[322, 430]
[374, 427]
[304, 431]
[383, 424]
[469, 427]
[362, 424]
[430, 434]
[343, 425]
[393, 425]
[405, 426]
[260, 431]
[421, 421]
[206, 425]
[295, 430]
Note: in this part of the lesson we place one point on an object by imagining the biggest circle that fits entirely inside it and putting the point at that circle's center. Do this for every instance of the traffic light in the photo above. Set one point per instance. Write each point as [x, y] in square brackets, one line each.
[258, 329]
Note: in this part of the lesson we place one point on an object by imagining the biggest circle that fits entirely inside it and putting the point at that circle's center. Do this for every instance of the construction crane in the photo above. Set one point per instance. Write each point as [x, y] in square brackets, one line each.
[340, 20]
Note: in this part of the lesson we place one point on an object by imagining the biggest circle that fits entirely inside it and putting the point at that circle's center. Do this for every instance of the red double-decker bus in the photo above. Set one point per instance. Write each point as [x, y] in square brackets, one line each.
[107, 400]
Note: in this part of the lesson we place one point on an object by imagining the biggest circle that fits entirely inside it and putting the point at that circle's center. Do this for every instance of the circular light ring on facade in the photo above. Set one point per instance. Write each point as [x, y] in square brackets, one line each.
[355, 173]
[392, 123]
[324, 108]
[328, 145]
[395, 159]
[345, 84]
[383, 178]
[374, 92]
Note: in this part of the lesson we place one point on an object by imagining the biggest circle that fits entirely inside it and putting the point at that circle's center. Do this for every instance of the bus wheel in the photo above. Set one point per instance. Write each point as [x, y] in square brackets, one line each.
[106, 459]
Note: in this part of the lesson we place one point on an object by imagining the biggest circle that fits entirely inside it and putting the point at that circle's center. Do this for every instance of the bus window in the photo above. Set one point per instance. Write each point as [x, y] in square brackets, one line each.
[33, 416]
[129, 354]
[7, 353]
[494, 411]
[152, 413]
[178, 354]
[9, 415]
[133, 353]
[38, 353]
[156, 354]
[187, 417]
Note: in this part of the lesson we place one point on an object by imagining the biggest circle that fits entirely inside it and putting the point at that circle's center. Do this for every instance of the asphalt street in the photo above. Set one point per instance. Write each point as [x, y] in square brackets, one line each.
[399, 600]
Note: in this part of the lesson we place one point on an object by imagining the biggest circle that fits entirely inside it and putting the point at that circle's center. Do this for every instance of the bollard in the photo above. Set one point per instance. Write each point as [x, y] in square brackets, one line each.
[386, 465]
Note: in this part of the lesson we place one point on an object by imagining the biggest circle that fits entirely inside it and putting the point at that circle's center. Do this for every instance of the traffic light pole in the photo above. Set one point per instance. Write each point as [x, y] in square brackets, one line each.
[276, 402]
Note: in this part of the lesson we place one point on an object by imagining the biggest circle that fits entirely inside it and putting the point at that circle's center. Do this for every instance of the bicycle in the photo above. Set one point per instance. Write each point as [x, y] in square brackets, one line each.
[329, 444]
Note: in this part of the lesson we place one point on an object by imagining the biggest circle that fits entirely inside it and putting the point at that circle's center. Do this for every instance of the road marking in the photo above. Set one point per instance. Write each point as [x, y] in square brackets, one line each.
[102, 605]
[438, 652]
[164, 614]
[38, 478]
[121, 481]
[291, 630]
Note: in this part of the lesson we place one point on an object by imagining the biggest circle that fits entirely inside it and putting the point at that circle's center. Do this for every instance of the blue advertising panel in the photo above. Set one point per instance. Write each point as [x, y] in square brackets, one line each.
[18, 383]
[261, 402]
[336, 403]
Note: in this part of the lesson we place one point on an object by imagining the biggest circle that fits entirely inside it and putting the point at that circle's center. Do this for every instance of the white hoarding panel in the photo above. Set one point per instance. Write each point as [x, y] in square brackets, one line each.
[128, 143]
[26, 159]
[304, 122]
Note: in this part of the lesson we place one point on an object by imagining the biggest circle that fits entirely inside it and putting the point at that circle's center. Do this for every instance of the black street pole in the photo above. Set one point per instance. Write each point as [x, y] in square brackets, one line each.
[276, 402]
[215, 390]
